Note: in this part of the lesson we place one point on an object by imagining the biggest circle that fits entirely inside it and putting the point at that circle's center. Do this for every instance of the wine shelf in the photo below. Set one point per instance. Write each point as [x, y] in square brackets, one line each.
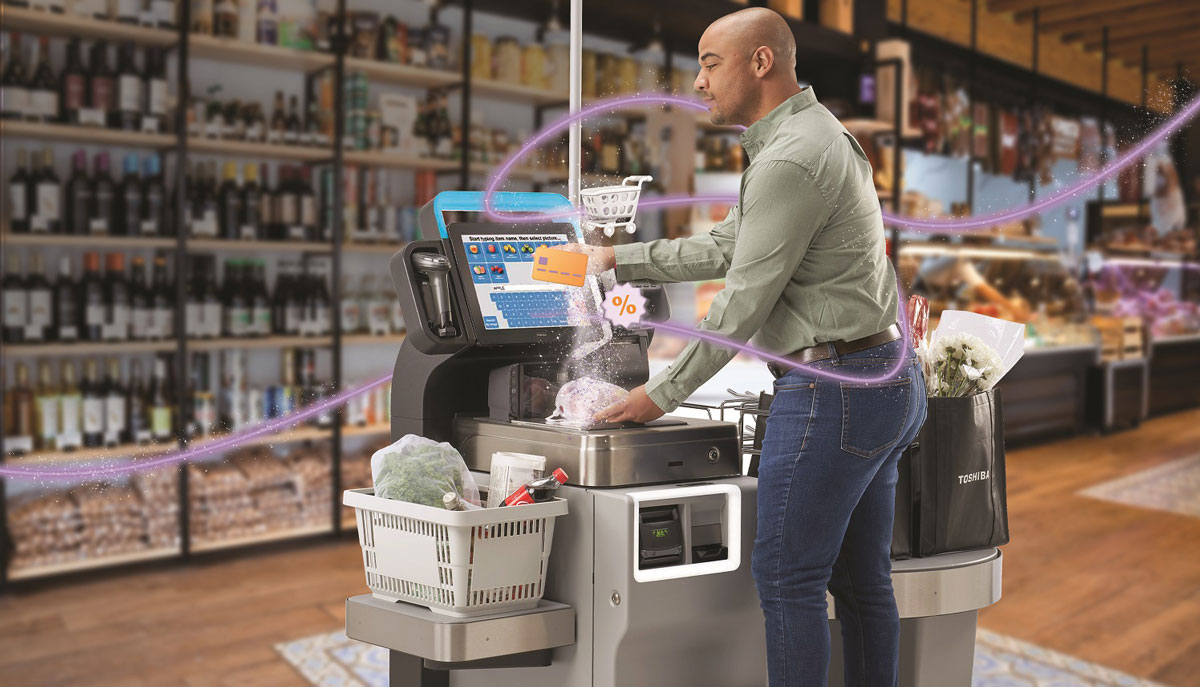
[123, 347]
[372, 340]
[376, 158]
[201, 546]
[275, 151]
[85, 241]
[33, 572]
[402, 74]
[253, 54]
[235, 246]
[35, 21]
[93, 135]
[503, 90]
[376, 248]
[305, 433]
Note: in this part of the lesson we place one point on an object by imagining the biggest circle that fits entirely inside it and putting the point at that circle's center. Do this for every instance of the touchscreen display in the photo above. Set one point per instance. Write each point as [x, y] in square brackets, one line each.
[501, 268]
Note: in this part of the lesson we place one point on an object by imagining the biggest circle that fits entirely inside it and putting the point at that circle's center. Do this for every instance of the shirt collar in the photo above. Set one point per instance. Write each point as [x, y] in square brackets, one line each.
[757, 134]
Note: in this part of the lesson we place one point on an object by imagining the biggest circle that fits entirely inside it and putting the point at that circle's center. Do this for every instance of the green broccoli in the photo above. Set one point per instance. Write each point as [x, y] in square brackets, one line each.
[421, 474]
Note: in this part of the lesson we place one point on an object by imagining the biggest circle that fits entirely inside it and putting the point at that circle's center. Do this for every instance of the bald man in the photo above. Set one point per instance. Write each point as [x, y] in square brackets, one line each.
[802, 255]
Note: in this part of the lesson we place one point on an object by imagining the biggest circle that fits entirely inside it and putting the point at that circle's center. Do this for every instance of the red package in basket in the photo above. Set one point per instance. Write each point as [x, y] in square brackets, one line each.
[918, 319]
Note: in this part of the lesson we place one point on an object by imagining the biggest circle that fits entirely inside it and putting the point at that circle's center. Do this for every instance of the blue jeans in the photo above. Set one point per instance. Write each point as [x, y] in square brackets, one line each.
[826, 501]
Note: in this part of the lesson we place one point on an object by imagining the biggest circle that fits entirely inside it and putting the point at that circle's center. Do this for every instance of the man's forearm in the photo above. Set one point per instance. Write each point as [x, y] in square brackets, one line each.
[695, 258]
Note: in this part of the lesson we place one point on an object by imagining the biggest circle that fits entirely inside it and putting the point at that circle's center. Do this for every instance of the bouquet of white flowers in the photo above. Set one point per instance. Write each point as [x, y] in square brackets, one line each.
[960, 365]
[968, 353]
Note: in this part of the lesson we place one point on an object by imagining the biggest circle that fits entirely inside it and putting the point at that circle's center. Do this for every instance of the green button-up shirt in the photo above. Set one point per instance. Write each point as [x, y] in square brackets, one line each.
[802, 253]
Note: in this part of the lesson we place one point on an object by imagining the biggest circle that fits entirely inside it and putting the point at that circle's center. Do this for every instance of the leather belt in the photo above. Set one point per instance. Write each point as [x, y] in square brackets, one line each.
[826, 350]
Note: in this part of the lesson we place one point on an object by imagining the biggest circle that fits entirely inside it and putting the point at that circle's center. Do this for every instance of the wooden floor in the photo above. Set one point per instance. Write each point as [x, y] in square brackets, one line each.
[1111, 584]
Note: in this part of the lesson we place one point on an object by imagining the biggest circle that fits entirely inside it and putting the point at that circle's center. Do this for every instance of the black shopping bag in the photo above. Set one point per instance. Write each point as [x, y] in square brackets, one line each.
[959, 486]
[906, 519]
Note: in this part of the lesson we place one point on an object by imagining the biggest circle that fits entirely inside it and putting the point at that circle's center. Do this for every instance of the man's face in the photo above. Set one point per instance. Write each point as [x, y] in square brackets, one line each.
[724, 80]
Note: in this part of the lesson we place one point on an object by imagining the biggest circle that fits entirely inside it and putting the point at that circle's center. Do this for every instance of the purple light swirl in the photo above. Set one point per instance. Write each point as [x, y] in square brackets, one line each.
[186, 454]
[942, 225]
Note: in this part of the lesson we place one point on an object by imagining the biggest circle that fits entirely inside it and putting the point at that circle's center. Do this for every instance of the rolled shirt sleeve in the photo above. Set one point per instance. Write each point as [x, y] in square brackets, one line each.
[781, 211]
[695, 258]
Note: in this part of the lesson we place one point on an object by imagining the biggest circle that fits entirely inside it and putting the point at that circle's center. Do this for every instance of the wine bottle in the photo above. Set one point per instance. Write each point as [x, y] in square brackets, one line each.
[250, 219]
[164, 13]
[43, 87]
[74, 85]
[204, 408]
[80, 197]
[141, 307]
[47, 202]
[155, 90]
[128, 11]
[116, 298]
[235, 301]
[39, 316]
[45, 408]
[230, 201]
[18, 421]
[91, 298]
[319, 304]
[209, 207]
[287, 206]
[292, 125]
[154, 200]
[101, 89]
[18, 195]
[162, 296]
[306, 201]
[14, 86]
[158, 399]
[280, 298]
[313, 135]
[128, 114]
[261, 301]
[137, 414]
[268, 22]
[278, 121]
[93, 405]
[70, 406]
[66, 302]
[225, 19]
[104, 199]
[115, 421]
[129, 201]
[16, 301]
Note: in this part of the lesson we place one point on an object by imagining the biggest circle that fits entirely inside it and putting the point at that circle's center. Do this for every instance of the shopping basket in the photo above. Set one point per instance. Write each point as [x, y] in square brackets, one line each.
[458, 563]
[612, 207]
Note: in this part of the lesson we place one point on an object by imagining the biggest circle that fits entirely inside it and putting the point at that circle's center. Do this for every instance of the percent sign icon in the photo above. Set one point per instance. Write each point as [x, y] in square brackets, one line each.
[625, 305]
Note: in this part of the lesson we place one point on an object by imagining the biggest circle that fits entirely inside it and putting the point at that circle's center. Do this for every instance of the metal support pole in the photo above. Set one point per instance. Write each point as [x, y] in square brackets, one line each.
[897, 155]
[575, 138]
[183, 97]
[1103, 103]
[464, 174]
[1033, 87]
[971, 107]
[339, 216]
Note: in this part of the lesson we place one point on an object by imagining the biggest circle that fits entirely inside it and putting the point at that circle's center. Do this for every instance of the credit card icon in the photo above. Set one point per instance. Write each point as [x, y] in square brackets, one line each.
[559, 266]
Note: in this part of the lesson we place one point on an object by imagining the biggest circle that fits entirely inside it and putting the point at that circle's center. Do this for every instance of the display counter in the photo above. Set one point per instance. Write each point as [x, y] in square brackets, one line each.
[1174, 373]
[1045, 394]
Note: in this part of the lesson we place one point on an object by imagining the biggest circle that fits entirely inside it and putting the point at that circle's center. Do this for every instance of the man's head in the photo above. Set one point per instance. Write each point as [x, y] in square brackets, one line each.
[747, 65]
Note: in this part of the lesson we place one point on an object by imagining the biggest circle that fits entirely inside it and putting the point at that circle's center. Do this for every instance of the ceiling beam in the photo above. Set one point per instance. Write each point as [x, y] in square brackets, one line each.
[1132, 45]
[1022, 5]
[1133, 42]
[1114, 18]
[1129, 28]
[1078, 10]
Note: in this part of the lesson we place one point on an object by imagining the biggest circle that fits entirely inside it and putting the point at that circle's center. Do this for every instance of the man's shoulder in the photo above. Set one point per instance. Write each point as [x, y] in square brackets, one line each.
[802, 138]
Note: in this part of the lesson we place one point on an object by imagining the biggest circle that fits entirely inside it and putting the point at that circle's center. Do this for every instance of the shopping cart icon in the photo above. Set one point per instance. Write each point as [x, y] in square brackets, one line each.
[613, 207]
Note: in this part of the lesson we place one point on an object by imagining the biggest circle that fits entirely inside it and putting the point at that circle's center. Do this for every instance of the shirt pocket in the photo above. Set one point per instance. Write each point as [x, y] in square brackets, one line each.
[874, 415]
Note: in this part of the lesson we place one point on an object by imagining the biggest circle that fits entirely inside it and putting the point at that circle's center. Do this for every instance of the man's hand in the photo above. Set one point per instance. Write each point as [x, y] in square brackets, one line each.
[636, 407]
[600, 258]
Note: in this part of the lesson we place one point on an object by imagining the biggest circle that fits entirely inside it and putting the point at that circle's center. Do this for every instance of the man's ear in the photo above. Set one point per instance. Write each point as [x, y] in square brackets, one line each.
[763, 59]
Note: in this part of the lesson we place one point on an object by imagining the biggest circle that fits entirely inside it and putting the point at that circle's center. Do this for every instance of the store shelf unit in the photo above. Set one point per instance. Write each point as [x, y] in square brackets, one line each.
[612, 19]
[83, 564]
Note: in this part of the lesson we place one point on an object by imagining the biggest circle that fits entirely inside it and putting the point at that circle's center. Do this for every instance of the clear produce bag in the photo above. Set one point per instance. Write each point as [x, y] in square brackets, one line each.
[422, 471]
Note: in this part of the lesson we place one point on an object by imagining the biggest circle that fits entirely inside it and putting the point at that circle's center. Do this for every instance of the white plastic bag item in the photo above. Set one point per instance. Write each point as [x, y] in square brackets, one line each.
[579, 400]
[420, 470]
